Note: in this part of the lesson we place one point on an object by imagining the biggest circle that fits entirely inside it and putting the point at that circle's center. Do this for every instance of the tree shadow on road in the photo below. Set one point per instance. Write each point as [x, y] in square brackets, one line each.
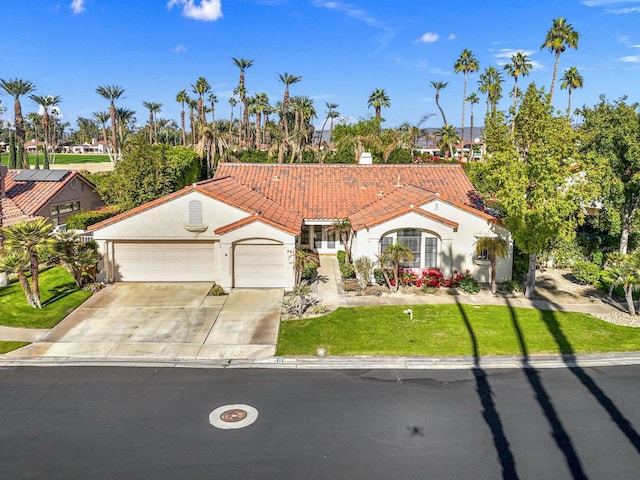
[489, 412]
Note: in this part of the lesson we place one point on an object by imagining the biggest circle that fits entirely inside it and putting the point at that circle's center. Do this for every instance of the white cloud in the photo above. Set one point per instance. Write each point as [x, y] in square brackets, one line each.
[77, 6]
[429, 37]
[603, 3]
[509, 52]
[207, 10]
[452, 36]
[179, 48]
[351, 11]
[630, 59]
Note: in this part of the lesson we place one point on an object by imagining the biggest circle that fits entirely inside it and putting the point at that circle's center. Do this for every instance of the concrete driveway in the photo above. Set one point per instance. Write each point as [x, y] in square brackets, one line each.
[166, 321]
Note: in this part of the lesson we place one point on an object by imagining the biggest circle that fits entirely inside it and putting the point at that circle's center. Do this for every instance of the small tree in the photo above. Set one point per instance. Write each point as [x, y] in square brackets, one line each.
[17, 263]
[302, 260]
[364, 267]
[495, 247]
[394, 255]
[343, 227]
[27, 240]
[625, 273]
[78, 258]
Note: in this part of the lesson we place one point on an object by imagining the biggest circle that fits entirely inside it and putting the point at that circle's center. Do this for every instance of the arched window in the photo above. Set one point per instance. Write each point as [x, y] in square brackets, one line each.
[195, 212]
[423, 245]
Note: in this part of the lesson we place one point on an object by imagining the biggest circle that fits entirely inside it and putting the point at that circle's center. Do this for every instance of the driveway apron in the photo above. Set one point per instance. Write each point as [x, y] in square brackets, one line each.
[169, 321]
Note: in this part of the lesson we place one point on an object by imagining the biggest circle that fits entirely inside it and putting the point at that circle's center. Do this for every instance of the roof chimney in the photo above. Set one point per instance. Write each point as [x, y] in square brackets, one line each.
[365, 158]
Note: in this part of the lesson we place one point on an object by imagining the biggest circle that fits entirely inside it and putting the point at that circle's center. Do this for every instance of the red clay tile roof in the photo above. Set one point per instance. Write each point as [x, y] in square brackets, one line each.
[229, 191]
[31, 196]
[330, 191]
[11, 213]
[402, 200]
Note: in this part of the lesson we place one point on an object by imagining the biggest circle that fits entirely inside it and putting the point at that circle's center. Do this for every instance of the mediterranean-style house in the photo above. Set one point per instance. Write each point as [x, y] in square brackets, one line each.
[242, 228]
[52, 194]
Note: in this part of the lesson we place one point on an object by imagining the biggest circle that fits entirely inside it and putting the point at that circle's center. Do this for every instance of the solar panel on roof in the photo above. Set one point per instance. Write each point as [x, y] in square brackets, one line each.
[40, 175]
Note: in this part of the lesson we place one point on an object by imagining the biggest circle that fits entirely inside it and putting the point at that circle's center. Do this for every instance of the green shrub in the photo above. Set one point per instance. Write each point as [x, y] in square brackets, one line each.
[310, 270]
[468, 284]
[378, 276]
[586, 272]
[511, 286]
[563, 254]
[347, 271]
[81, 220]
[400, 155]
[342, 257]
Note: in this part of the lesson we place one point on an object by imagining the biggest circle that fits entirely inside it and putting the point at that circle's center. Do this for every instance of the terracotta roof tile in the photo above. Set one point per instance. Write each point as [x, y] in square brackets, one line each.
[31, 196]
[330, 191]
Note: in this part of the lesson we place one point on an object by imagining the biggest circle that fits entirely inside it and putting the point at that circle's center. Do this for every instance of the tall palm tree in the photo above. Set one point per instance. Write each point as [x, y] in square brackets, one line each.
[124, 118]
[243, 64]
[377, 100]
[495, 246]
[448, 139]
[520, 65]
[16, 87]
[213, 99]
[154, 109]
[466, 64]
[182, 98]
[193, 106]
[330, 111]
[440, 86]
[261, 106]
[102, 118]
[560, 36]
[490, 84]
[232, 103]
[28, 239]
[46, 102]
[112, 93]
[342, 226]
[472, 99]
[571, 80]
[287, 80]
[200, 88]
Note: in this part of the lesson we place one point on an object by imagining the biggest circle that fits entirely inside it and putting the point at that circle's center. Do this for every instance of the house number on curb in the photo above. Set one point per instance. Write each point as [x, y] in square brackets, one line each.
[228, 417]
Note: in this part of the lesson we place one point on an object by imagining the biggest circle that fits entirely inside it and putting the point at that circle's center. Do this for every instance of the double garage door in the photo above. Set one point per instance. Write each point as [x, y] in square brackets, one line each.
[254, 265]
[164, 262]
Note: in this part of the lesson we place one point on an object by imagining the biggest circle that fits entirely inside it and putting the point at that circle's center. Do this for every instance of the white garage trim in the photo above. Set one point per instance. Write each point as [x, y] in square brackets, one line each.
[164, 261]
[259, 264]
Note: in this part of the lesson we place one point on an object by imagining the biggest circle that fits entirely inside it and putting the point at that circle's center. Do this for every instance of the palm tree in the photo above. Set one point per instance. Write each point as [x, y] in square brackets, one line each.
[193, 105]
[182, 98]
[472, 99]
[124, 118]
[559, 37]
[213, 99]
[330, 110]
[626, 273]
[342, 226]
[261, 106]
[466, 64]
[16, 87]
[495, 246]
[154, 109]
[377, 100]
[571, 80]
[46, 102]
[520, 65]
[490, 84]
[80, 259]
[17, 263]
[102, 118]
[287, 80]
[243, 64]
[394, 255]
[201, 87]
[27, 239]
[448, 139]
[112, 93]
[440, 86]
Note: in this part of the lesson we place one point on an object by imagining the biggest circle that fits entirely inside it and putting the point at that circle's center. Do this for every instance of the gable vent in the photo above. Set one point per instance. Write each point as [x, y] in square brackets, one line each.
[195, 212]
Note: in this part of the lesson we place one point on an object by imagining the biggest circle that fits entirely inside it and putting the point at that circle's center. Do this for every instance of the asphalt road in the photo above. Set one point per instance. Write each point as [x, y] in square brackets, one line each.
[147, 423]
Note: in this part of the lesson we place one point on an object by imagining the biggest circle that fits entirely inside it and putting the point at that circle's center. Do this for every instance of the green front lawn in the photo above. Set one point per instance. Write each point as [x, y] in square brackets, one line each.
[59, 296]
[62, 158]
[6, 347]
[453, 330]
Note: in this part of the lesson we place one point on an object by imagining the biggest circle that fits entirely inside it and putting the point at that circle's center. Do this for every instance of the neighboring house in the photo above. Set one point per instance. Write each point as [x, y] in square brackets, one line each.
[52, 194]
[86, 148]
[241, 228]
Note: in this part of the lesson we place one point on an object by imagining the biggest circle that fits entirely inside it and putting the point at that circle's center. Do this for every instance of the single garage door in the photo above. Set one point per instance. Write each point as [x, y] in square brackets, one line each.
[258, 265]
[164, 262]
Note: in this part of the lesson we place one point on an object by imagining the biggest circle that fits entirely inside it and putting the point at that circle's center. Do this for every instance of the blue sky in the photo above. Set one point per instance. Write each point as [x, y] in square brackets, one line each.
[342, 49]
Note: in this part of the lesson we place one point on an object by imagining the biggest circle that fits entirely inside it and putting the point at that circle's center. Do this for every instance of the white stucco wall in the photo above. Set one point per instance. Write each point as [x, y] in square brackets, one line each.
[456, 249]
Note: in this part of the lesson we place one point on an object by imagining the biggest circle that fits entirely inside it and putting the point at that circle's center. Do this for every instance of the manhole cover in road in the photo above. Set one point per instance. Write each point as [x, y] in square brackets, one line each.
[234, 416]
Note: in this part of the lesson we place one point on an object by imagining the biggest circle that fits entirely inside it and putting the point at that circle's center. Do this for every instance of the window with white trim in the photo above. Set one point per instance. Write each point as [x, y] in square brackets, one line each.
[423, 245]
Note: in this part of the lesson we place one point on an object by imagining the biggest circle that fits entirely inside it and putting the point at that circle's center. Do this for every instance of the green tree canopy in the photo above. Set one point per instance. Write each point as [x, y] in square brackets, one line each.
[147, 172]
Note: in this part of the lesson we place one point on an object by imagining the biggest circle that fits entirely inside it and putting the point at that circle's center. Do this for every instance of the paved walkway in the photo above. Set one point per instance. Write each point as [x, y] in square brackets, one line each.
[220, 346]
